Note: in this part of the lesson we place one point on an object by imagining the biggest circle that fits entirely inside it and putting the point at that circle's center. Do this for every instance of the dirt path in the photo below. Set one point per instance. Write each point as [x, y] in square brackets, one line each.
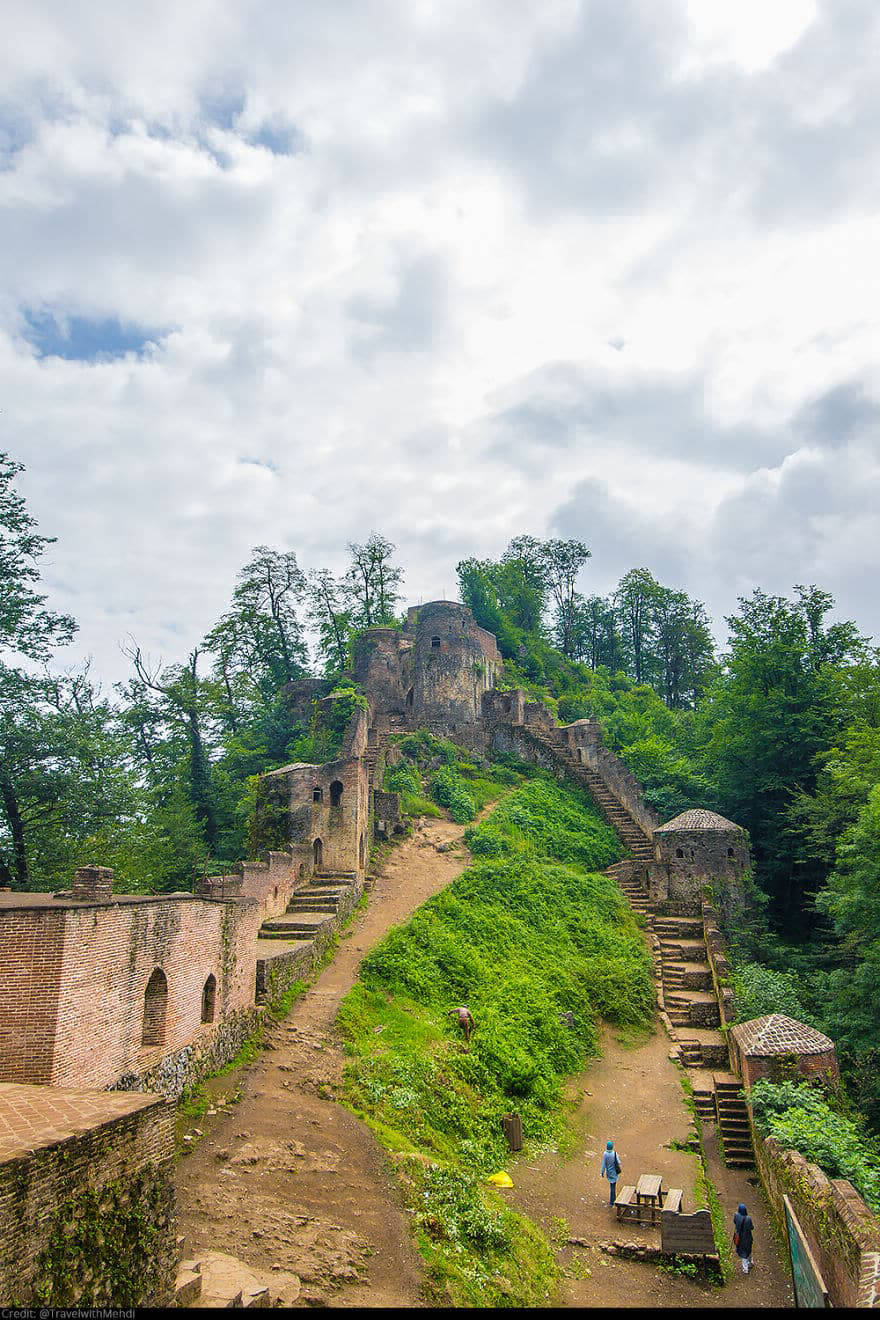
[290, 1178]
[633, 1095]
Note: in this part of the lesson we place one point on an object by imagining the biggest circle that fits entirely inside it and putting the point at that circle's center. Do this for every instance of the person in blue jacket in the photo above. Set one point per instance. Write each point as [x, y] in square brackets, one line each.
[742, 1236]
[611, 1168]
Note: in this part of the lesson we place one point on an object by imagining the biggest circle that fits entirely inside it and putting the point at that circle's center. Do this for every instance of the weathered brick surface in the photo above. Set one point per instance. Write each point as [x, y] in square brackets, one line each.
[75, 976]
[843, 1233]
[32, 948]
[56, 1146]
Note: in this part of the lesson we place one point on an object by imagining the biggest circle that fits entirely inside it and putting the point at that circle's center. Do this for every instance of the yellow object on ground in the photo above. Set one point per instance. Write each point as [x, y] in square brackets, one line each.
[501, 1179]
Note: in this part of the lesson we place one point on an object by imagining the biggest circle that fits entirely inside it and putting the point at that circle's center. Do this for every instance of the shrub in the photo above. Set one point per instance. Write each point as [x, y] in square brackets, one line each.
[403, 778]
[801, 1119]
[759, 991]
[450, 791]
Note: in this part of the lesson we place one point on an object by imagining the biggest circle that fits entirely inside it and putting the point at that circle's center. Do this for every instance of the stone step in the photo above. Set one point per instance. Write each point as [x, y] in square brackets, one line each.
[336, 875]
[292, 927]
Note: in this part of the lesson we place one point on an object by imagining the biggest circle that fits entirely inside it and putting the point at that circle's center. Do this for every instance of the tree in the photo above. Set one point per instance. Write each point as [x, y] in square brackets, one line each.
[26, 626]
[769, 715]
[30, 630]
[521, 583]
[183, 702]
[596, 638]
[331, 620]
[635, 599]
[371, 582]
[63, 775]
[563, 561]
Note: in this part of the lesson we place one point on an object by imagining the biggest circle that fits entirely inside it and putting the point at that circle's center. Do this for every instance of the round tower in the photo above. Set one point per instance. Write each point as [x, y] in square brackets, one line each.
[454, 663]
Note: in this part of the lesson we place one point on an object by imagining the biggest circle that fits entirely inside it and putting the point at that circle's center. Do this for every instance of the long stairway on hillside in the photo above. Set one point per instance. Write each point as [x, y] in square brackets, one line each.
[634, 838]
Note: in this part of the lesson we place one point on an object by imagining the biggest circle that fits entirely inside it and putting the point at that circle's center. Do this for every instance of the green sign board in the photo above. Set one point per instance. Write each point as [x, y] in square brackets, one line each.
[809, 1286]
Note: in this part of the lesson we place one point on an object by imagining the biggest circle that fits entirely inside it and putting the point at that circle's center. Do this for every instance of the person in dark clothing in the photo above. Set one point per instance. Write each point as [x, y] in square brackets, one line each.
[742, 1236]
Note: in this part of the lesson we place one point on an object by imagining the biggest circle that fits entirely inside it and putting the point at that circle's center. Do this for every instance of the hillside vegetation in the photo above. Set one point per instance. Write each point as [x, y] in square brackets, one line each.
[528, 932]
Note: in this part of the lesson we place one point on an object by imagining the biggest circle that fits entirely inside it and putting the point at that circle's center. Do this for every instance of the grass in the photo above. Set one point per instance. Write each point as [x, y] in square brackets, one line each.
[528, 932]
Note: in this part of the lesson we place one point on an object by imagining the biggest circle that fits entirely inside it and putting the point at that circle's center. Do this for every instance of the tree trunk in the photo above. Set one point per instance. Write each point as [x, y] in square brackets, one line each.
[16, 829]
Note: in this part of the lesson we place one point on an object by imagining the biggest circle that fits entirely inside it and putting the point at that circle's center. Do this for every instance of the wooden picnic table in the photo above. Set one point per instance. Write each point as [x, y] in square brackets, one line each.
[650, 1195]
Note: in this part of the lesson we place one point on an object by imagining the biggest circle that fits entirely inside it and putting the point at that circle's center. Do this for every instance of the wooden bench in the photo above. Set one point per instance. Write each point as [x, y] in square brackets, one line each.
[625, 1203]
[673, 1200]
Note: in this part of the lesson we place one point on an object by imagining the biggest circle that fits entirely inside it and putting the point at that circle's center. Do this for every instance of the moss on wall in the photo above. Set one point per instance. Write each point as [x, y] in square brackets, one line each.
[111, 1245]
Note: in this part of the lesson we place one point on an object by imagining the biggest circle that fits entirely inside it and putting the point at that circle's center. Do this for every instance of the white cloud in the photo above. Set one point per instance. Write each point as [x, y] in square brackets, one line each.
[483, 262]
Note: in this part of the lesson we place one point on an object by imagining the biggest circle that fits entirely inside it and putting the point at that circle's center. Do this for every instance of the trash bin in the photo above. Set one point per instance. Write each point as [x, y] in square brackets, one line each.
[512, 1127]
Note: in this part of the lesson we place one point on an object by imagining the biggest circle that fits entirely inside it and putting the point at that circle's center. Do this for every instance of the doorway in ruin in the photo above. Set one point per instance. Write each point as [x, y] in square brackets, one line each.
[318, 853]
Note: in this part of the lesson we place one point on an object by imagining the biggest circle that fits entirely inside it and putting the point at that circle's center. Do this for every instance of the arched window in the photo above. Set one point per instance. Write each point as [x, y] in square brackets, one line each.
[275, 892]
[336, 793]
[730, 852]
[209, 998]
[318, 853]
[317, 794]
[409, 697]
[155, 1009]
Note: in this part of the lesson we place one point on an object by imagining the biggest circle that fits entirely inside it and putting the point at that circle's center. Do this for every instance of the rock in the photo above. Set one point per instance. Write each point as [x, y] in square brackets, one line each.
[221, 1155]
[578, 1242]
[187, 1287]
[228, 1281]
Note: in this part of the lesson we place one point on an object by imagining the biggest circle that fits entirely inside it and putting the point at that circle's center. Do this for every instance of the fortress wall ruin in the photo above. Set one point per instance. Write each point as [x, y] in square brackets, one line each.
[32, 941]
[842, 1231]
[87, 991]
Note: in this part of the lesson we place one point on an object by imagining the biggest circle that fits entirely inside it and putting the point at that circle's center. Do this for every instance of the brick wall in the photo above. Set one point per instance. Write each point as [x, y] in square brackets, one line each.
[32, 942]
[72, 993]
[844, 1235]
[89, 1219]
[110, 952]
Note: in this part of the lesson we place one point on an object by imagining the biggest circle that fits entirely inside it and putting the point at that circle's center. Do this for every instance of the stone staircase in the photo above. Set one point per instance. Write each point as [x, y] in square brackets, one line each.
[633, 837]
[377, 740]
[311, 908]
[733, 1121]
[633, 889]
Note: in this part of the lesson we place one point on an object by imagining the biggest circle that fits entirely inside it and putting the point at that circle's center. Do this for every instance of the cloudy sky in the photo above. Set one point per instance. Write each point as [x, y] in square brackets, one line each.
[451, 269]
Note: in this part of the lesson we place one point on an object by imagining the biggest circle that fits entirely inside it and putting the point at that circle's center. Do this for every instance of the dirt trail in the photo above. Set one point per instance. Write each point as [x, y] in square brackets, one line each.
[290, 1178]
[633, 1095]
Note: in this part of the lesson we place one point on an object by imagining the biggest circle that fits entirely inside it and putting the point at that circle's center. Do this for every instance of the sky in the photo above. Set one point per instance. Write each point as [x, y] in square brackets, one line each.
[453, 271]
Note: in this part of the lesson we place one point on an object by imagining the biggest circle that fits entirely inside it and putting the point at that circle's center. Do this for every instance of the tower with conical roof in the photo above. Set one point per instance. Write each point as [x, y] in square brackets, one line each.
[702, 850]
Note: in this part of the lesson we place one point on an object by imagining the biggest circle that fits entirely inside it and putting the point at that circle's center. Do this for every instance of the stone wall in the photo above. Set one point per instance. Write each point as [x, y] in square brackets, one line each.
[720, 967]
[176, 1074]
[454, 663]
[86, 1203]
[843, 1233]
[583, 739]
[383, 666]
[329, 813]
[702, 859]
